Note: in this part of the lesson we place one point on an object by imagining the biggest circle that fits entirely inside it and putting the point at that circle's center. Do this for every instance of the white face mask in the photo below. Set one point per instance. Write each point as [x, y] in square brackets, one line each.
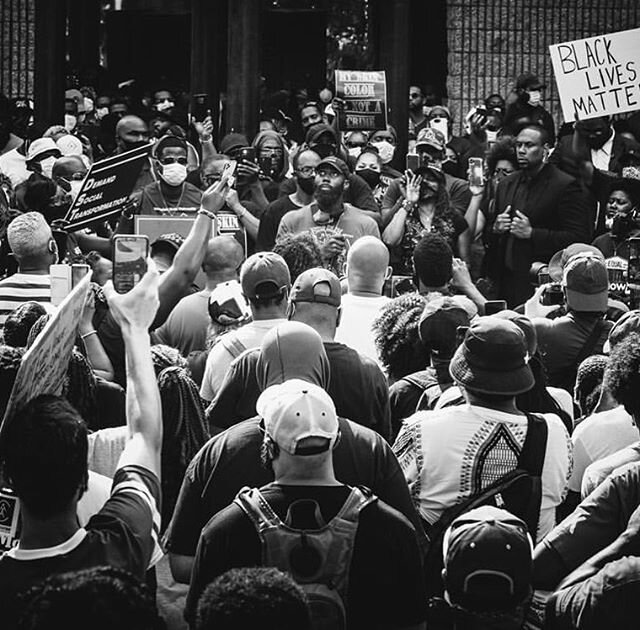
[70, 122]
[632, 172]
[101, 112]
[385, 150]
[76, 185]
[164, 106]
[535, 97]
[47, 166]
[492, 136]
[354, 152]
[174, 174]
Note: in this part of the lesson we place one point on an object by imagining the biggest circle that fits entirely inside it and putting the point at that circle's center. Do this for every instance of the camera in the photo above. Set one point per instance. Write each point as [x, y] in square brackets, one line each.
[553, 294]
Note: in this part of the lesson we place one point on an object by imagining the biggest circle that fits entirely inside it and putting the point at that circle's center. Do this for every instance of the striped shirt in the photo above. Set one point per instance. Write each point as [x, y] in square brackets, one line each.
[24, 287]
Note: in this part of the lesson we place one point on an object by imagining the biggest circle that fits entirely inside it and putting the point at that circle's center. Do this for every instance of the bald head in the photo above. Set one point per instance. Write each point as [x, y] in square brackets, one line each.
[131, 132]
[367, 265]
[68, 166]
[222, 260]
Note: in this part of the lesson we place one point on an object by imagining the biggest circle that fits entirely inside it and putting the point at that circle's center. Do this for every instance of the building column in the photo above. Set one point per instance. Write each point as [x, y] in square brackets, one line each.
[392, 20]
[50, 22]
[84, 34]
[243, 67]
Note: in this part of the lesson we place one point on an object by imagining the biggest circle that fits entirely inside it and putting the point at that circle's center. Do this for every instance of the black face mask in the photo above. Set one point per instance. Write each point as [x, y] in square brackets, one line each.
[623, 225]
[324, 150]
[450, 167]
[370, 176]
[306, 184]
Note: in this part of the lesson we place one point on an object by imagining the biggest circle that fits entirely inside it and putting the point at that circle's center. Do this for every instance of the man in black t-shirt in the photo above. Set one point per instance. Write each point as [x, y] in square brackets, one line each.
[385, 581]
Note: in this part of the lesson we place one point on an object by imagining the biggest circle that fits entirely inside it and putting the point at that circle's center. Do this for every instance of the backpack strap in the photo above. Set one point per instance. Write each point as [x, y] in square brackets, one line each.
[357, 500]
[255, 506]
[590, 344]
[232, 345]
[535, 445]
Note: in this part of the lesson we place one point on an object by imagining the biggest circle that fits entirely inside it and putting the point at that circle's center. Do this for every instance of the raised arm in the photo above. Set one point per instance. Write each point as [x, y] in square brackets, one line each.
[134, 311]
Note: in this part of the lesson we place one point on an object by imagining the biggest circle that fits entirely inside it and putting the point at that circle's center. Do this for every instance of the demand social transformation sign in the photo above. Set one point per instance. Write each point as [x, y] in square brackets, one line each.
[598, 76]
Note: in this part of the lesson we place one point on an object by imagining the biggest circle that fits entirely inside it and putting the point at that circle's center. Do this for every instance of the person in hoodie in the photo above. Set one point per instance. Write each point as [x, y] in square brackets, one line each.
[231, 460]
[273, 159]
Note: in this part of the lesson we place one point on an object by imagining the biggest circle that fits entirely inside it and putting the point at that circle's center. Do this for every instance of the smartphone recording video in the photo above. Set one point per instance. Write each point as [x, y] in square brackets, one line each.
[129, 261]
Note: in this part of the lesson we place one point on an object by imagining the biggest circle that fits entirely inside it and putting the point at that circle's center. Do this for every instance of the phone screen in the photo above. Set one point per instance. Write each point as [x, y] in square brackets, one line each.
[129, 261]
[413, 162]
[476, 171]
[247, 153]
[200, 107]
[494, 306]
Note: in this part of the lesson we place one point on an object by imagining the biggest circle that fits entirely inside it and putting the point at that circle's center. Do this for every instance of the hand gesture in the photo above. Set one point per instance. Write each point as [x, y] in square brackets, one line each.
[136, 309]
[460, 276]
[248, 171]
[534, 307]
[413, 187]
[86, 319]
[204, 128]
[520, 226]
[334, 246]
[214, 197]
[502, 223]
[231, 197]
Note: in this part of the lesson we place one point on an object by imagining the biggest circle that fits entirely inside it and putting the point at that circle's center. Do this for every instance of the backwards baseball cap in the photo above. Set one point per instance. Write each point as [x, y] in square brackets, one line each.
[560, 259]
[264, 275]
[492, 359]
[296, 413]
[586, 282]
[488, 563]
[438, 326]
[171, 241]
[335, 163]
[431, 138]
[227, 304]
[529, 81]
[317, 285]
[627, 324]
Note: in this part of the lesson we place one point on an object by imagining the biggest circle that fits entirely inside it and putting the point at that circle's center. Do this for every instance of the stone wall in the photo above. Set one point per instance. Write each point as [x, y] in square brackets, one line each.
[492, 41]
[17, 37]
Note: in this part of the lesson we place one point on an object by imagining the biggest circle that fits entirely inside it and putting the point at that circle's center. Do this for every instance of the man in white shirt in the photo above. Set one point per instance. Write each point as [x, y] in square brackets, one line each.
[34, 248]
[265, 283]
[367, 268]
[451, 454]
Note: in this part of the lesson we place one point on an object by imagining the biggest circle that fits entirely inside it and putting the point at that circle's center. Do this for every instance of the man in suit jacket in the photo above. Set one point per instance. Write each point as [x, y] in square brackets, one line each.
[539, 210]
[595, 155]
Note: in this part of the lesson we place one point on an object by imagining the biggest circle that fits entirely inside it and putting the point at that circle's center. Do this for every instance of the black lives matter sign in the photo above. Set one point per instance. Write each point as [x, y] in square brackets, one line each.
[598, 76]
[365, 96]
[106, 188]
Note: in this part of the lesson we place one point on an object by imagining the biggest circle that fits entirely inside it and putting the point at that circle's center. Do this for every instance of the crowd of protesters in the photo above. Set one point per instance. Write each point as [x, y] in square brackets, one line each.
[401, 393]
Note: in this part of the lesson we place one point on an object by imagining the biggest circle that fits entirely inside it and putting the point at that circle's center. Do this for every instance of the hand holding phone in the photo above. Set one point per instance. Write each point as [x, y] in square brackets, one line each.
[476, 172]
[413, 162]
[129, 257]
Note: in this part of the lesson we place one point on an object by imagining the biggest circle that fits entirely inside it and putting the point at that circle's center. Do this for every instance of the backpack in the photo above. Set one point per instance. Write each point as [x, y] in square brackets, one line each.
[431, 391]
[519, 491]
[318, 559]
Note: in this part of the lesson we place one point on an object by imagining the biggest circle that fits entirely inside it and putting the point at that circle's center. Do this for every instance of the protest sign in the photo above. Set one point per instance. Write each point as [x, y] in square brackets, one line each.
[365, 96]
[106, 188]
[44, 364]
[598, 76]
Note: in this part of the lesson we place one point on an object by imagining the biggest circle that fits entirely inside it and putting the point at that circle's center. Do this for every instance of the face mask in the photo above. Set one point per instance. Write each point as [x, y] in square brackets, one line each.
[164, 106]
[306, 184]
[75, 187]
[101, 112]
[174, 174]
[324, 150]
[370, 176]
[535, 97]
[70, 122]
[354, 152]
[621, 225]
[385, 150]
[88, 105]
[450, 167]
[492, 136]
[47, 166]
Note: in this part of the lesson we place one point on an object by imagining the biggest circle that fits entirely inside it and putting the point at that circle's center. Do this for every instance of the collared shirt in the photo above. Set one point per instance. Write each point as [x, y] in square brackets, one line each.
[602, 156]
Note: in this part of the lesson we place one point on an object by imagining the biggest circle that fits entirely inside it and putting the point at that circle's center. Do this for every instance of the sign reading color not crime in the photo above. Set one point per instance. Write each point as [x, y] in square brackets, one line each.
[598, 76]
[106, 188]
[365, 97]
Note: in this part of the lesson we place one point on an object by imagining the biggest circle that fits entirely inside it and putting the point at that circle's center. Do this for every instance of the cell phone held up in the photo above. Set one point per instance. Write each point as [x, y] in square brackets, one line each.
[413, 162]
[248, 154]
[553, 295]
[130, 254]
[476, 171]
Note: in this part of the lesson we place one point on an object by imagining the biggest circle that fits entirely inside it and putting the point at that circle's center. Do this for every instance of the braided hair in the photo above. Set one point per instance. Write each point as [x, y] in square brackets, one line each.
[396, 336]
[185, 431]
[19, 323]
[80, 387]
[164, 356]
[10, 359]
[37, 328]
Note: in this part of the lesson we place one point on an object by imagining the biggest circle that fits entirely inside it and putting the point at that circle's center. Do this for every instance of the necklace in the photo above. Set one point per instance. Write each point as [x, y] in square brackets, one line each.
[166, 205]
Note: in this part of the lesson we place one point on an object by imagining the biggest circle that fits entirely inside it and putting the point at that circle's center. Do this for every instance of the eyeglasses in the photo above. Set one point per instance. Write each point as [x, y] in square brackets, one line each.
[503, 171]
[173, 160]
[307, 171]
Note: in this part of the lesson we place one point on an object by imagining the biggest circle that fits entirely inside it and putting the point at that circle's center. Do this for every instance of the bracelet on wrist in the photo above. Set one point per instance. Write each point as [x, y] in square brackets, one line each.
[242, 212]
[206, 213]
[206, 137]
[88, 334]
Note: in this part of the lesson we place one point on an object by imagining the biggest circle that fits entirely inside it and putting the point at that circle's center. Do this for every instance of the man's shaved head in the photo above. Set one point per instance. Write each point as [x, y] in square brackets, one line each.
[67, 166]
[223, 258]
[367, 264]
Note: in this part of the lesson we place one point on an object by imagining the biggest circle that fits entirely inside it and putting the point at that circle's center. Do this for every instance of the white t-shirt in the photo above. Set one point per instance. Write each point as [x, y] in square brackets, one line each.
[219, 359]
[356, 323]
[14, 165]
[597, 436]
[450, 454]
[597, 472]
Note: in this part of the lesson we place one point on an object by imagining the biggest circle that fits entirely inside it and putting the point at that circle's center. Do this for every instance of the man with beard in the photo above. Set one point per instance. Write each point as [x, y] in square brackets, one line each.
[333, 222]
[417, 120]
[171, 193]
[304, 172]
